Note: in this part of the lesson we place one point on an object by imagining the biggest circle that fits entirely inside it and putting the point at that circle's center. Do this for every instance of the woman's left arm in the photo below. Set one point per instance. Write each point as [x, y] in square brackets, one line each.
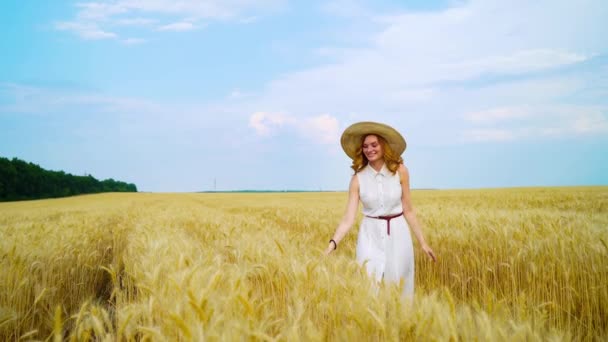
[409, 213]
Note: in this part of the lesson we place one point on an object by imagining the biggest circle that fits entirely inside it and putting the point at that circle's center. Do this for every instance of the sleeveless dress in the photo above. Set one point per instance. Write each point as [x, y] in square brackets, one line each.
[386, 257]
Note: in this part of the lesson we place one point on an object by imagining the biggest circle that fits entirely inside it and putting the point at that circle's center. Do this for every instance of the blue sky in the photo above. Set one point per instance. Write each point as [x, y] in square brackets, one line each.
[254, 94]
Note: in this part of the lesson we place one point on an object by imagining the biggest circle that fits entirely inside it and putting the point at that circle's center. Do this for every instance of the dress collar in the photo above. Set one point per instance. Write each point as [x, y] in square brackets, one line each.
[383, 171]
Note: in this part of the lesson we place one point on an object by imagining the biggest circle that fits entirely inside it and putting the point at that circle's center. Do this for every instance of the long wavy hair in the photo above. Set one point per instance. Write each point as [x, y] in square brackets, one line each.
[391, 160]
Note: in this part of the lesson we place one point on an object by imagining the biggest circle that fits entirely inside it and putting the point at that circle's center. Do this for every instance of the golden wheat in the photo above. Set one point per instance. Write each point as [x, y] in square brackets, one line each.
[514, 264]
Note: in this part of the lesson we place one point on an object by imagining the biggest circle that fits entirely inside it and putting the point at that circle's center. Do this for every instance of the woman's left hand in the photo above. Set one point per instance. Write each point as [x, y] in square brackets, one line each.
[429, 252]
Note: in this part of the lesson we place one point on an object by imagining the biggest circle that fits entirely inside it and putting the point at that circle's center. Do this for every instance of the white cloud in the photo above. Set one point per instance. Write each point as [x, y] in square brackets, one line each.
[320, 129]
[418, 68]
[264, 123]
[526, 122]
[97, 34]
[533, 90]
[497, 114]
[135, 22]
[85, 31]
[417, 49]
[235, 94]
[133, 41]
[517, 62]
[464, 68]
[482, 135]
[239, 95]
[94, 19]
[100, 11]
[178, 27]
[323, 129]
[592, 122]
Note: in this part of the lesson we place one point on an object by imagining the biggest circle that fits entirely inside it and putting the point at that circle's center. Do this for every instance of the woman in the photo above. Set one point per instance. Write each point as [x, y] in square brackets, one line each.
[381, 182]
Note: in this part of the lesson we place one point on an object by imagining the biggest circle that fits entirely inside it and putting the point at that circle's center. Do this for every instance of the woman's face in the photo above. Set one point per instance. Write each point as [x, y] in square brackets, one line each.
[372, 149]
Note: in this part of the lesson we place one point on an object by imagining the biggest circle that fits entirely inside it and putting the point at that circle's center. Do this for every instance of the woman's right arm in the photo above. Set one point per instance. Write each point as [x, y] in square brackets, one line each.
[349, 217]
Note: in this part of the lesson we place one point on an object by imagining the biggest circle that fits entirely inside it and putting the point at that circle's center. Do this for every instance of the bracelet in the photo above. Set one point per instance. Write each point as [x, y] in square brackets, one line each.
[335, 244]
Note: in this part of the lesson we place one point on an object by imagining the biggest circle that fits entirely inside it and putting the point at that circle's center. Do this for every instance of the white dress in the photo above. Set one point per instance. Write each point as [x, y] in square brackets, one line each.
[388, 257]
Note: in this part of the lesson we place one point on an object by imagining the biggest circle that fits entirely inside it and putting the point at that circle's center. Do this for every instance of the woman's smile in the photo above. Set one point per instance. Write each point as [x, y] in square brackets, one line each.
[371, 155]
[372, 148]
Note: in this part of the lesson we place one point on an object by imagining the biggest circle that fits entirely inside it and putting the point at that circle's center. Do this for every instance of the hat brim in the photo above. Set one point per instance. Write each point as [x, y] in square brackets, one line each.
[353, 135]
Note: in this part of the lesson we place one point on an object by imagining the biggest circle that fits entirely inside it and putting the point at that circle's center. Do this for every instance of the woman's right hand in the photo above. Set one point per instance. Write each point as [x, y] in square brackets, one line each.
[330, 248]
[349, 215]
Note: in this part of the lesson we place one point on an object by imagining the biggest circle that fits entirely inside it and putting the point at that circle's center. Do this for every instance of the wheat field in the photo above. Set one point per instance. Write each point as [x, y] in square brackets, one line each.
[514, 264]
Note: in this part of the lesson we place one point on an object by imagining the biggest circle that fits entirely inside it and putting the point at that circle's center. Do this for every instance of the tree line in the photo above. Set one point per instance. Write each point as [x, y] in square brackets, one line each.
[20, 180]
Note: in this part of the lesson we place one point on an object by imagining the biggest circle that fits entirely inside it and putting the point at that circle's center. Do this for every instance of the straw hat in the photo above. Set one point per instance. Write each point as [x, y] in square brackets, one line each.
[353, 135]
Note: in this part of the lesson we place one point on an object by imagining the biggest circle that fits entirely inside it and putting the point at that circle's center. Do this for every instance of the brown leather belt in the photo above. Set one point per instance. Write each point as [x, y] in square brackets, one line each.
[387, 219]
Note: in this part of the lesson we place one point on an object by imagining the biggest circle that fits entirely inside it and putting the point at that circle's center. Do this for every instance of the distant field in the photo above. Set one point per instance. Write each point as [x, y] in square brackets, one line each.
[514, 264]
